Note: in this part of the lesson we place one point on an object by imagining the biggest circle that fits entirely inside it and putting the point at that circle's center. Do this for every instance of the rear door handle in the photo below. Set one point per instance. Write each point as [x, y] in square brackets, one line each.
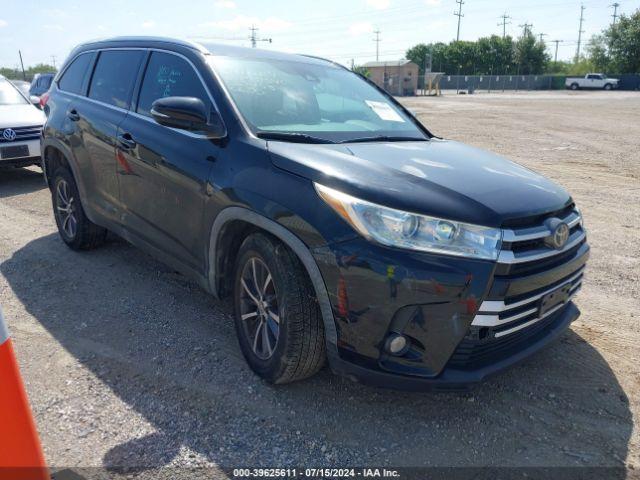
[126, 141]
[73, 115]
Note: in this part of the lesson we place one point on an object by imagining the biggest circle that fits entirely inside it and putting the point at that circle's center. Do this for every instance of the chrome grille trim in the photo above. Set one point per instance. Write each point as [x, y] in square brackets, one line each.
[575, 290]
[483, 320]
[22, 133]
[498, 306]
[509, 257]
[540, 231]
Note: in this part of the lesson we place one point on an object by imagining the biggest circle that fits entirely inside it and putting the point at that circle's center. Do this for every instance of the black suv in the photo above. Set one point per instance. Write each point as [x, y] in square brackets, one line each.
[342, 228]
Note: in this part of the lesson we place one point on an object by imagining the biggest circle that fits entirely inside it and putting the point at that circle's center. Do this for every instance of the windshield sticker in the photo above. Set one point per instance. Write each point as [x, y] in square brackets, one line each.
[384, 111]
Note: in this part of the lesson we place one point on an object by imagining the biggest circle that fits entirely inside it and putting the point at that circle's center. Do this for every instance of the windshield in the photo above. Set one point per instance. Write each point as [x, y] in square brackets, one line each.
[320, 101]
[9, 95]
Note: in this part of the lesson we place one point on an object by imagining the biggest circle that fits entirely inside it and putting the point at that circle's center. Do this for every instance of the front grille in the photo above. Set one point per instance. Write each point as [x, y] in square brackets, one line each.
[22, 134]
[532, 284]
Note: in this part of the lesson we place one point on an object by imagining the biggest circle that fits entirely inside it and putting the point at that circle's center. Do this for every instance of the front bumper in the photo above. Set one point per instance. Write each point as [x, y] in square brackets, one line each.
[452, 311]
[31, 158]
[452, 379]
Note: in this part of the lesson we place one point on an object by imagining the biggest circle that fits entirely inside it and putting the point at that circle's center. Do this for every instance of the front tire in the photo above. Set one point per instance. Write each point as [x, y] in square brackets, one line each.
[277, 317]
[76, 230]
[607, 86]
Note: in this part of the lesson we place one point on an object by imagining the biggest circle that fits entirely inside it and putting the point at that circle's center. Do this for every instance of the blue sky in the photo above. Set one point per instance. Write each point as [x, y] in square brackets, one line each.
[338, 29]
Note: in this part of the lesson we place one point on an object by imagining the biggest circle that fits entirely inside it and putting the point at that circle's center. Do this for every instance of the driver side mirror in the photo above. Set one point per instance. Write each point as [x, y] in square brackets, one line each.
[188, 113]
[35, 100]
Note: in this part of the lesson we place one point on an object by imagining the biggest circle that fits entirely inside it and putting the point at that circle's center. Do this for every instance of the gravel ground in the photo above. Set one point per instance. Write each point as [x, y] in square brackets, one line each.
[128, 364]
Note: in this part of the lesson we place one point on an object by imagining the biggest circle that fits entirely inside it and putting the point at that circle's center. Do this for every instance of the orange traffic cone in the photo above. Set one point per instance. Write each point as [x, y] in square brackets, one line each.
[21, 455]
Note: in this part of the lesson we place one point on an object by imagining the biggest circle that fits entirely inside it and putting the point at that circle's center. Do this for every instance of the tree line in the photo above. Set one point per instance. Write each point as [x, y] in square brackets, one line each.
[29, 73]
[615, 50]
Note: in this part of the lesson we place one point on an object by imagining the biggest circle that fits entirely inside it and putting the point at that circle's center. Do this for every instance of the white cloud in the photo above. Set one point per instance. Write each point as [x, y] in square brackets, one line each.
[225, 4]
[360, 28]
[243, 22]
[3, 23]
[379, 4]
[148, 24]
[432, 3]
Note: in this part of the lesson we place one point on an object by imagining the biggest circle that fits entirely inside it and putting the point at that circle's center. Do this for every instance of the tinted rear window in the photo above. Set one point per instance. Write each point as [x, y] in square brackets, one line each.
[73, 77]
[114, 76]
[168, 75]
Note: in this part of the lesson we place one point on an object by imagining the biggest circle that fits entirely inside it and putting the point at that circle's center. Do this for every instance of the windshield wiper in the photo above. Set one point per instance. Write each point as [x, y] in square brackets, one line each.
[292, 137]
[385, 138]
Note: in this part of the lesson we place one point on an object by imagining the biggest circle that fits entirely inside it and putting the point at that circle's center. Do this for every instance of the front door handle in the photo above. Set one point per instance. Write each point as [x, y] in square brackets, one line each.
[73, 115]
[126, 141]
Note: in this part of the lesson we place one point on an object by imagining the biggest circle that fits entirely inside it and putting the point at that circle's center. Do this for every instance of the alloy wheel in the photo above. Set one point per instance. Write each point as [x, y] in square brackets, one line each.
[259, 309]
[66, 209]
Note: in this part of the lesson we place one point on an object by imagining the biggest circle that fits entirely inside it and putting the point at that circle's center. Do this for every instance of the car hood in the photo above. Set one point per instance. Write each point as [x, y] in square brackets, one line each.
[12, 116]
[441, 178]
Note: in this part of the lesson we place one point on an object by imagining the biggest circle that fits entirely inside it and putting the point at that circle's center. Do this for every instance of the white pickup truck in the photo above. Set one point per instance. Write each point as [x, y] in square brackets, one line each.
[592, 80]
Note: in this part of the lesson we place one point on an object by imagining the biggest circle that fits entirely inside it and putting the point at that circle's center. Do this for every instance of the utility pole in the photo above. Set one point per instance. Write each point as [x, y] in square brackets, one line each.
[377, 40]
[459, 15]
[24, 75]
[541, 36]
[254, 37]
[580, 32]
[615, 11]
[53, 60]
[504, 24]
[555, 57]
[526, 28]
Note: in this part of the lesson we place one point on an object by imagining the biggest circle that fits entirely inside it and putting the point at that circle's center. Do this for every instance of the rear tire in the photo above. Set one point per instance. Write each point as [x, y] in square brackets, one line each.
[76, 230]
[282, 341]
[574, 86]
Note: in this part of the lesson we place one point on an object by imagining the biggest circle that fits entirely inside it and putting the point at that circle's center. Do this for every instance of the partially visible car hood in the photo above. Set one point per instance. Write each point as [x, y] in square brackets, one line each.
[26, 115]
[441, 178]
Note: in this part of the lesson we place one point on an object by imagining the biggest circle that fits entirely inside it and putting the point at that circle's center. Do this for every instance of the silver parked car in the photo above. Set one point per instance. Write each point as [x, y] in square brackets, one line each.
[20, 128]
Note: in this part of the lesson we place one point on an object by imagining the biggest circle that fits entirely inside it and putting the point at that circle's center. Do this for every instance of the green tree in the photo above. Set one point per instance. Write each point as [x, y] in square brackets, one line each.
[623, 43]
[530, 55]
[597, 53]
[364, 71]
[617, 48]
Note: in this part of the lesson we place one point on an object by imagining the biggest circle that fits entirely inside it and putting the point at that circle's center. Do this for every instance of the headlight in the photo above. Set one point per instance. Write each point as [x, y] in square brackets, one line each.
[412, 231]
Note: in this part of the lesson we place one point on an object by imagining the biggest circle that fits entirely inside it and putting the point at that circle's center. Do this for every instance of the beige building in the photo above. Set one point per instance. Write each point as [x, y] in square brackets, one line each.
[397, 77]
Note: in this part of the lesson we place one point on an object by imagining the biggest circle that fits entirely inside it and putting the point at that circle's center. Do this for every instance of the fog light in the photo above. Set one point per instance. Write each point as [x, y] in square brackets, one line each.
[396, 344]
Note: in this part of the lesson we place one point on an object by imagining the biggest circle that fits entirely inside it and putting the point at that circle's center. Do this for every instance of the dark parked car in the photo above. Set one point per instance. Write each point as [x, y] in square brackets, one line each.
[41, 83]
[342, 228]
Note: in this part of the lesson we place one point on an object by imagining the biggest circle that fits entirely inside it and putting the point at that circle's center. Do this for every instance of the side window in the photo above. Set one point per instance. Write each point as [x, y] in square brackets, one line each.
[168, 75]
[114, 76]
[73, 76]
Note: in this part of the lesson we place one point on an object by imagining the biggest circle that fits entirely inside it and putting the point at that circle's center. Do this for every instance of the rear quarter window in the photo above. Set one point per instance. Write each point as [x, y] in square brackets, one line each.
[73, 77]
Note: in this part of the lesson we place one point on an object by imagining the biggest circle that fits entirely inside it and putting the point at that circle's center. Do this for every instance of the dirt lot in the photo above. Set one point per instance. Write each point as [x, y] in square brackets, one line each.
[129, 364]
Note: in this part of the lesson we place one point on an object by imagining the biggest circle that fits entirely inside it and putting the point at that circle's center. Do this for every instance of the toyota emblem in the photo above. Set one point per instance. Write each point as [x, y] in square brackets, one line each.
[559, 233]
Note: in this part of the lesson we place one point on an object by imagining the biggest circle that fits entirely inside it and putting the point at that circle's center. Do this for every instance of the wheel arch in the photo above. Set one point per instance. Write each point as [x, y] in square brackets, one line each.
[55, 154]
[234, 221]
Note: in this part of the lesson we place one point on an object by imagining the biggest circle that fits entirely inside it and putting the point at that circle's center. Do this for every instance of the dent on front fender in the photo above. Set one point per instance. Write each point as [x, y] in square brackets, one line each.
[375, 290]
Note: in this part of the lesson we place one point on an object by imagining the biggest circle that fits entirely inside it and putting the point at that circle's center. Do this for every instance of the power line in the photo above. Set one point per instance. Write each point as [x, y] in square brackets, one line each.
[557, 42]
[504, 23]
[526, 28]
[580, 32]
[377, 40]
[615, 11]
[254, 37]
[459, 15]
